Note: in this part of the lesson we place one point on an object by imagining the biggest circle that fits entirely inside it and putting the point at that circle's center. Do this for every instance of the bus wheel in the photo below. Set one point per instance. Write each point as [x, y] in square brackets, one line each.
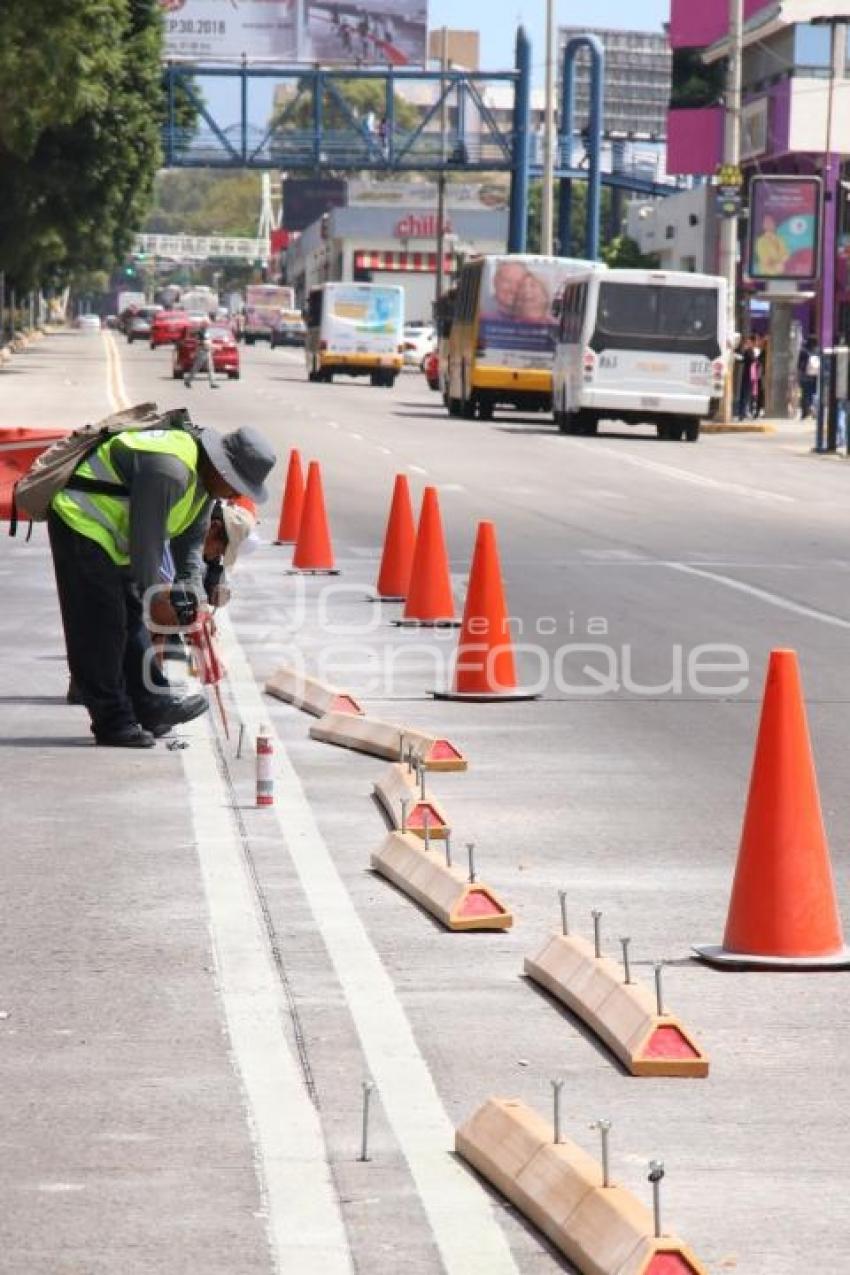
[376, 378]
[454, 406]
[467, 409]
[692, 431]
[485, 409]
[664, 428]
[586, 424]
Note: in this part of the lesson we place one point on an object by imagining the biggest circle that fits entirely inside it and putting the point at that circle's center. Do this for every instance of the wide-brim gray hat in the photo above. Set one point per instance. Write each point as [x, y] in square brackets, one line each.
[243, 458]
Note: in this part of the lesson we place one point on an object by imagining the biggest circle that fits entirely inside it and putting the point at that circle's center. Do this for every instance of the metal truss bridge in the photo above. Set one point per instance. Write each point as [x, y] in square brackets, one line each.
[311, 123]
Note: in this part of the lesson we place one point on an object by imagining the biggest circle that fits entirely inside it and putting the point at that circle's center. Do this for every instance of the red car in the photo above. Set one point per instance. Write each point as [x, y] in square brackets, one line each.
[224, 347]
[431, 368]
[168, 327]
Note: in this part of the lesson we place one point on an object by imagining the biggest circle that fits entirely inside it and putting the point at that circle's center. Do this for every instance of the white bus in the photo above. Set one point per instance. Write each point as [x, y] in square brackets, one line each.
[355, 329]
[640, 346]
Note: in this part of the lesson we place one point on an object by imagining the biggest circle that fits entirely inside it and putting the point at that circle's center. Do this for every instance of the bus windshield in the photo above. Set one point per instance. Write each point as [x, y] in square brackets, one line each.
[633, 316]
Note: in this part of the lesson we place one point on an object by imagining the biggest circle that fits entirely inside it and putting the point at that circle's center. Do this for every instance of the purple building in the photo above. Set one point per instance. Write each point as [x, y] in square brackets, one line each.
[795, 118]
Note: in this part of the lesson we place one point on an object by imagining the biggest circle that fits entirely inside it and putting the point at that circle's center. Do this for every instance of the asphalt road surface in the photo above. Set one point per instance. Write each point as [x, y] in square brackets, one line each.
[193, 990]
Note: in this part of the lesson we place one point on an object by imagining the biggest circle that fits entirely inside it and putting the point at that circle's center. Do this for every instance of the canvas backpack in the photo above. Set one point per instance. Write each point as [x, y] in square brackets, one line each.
[52, 470]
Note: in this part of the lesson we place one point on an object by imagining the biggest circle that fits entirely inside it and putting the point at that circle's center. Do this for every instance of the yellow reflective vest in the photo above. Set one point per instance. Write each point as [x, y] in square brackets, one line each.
[105, 518]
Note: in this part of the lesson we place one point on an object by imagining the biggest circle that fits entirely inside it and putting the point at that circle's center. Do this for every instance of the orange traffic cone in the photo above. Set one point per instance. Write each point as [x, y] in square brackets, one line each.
[783, 912]
[313, 551]
[484, 666]
[429, 594]
[293, 502]
[399, 543]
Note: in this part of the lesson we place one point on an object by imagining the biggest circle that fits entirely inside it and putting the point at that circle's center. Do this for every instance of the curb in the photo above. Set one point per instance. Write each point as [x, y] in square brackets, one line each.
[736, 427]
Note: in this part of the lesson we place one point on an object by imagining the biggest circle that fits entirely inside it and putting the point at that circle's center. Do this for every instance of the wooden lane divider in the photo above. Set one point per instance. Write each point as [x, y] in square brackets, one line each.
[389, 740]
[310, 694]
[409, 808]
[600, 1227]
[445, 891]
[629, 1018]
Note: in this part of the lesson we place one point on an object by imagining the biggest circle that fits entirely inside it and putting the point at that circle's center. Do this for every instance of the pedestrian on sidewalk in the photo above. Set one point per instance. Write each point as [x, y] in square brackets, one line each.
[108, 552]
[758, 371]
[745, 358]
[808, 371]
[204, 360]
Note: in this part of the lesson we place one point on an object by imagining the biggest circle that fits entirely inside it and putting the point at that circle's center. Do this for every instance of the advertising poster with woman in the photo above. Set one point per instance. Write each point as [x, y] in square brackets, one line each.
[784, 228]
[517, 324]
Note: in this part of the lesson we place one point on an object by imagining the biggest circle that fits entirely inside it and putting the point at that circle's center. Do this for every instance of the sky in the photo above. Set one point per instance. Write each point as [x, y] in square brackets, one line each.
[498, 34]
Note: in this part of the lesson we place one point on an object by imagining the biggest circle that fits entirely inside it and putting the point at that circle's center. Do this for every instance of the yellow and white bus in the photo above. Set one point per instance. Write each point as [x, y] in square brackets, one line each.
[355, 329]
[502, 340]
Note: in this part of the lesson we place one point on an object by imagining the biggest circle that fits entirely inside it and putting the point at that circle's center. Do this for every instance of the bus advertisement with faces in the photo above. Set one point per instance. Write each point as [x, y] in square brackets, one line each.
[517, 324]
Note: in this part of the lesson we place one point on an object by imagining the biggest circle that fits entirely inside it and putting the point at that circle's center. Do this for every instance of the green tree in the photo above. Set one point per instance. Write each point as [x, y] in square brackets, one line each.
[578, 214]
[361, 96]
[80, 113]
[204, 202]
[623, 253]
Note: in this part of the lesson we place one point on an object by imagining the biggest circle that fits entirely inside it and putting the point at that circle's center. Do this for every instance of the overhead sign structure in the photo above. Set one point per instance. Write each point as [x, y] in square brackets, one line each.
[365, 32]
[200, 247]
[785, 229]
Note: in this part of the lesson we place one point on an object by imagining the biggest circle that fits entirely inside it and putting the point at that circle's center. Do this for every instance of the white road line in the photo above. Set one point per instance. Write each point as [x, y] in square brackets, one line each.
[333, 424]
[305, 1225]
[464, 1226]
[359, 437]
[385, 451]
[417, 469]
[765, 595]
[687, 476]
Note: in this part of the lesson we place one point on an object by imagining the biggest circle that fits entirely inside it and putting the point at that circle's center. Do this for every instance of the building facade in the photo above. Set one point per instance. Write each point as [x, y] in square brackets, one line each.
[795, 124]
[391, 244]
[637, 80]
[681, 230]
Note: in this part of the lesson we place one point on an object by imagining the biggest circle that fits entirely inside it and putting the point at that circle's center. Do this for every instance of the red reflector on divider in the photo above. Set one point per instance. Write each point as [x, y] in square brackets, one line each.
[669, 1264]
[478, 903]
[442, 750]
[668, 1042]
[416, 819]
[345, 704]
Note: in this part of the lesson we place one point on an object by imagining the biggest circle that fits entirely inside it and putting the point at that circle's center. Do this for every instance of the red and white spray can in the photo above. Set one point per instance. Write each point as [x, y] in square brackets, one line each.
[265, 778]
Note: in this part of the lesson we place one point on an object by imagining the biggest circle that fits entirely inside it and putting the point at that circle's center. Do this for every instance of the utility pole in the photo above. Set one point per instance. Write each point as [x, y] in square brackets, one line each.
[547, 223]
[732, 159]
[441, 180]
[826, 427]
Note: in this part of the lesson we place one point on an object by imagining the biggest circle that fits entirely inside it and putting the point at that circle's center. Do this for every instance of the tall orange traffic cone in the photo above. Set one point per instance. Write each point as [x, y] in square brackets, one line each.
[399, 543]
[783, 913]
[429, 594]
[485, 668]
[313, 550]
[293, 501]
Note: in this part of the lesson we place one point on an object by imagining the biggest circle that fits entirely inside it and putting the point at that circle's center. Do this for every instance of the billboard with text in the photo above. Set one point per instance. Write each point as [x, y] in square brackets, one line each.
[362, 32]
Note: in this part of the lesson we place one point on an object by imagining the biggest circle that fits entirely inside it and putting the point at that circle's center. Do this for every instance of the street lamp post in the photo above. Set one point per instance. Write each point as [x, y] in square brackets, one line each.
[547, 220]
[732, 160]
[439, 273]
[825, 436]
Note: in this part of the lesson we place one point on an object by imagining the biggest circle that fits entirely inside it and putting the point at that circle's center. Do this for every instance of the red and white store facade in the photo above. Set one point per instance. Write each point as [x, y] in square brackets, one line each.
[379, 244]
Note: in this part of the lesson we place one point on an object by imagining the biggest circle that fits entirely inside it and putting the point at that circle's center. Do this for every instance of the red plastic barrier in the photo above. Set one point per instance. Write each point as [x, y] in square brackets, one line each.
[19, 447]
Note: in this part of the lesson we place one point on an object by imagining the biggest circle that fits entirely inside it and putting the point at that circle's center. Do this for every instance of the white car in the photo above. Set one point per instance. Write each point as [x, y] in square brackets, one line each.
[418, 340]
[88, 322]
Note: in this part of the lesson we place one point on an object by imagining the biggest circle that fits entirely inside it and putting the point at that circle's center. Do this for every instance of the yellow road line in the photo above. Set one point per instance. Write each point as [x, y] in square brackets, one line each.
[116, 391]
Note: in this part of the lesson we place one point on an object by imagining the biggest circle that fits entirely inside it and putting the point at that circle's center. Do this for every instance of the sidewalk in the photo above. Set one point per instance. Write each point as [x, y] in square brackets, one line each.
[126, 1146]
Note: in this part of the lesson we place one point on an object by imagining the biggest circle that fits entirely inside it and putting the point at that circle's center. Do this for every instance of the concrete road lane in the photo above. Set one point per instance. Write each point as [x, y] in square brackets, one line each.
[624, 785]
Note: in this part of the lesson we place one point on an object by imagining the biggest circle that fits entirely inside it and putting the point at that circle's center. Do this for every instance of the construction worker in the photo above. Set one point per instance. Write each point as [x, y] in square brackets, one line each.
[108, 552]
